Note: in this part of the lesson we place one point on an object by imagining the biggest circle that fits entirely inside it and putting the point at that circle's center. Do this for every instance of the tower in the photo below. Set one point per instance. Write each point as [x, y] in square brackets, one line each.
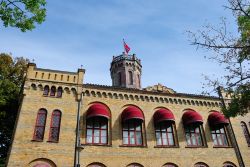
[125, 71]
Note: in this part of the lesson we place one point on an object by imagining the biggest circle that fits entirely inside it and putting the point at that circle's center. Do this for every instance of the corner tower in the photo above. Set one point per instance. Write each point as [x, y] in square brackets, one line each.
[125, 71]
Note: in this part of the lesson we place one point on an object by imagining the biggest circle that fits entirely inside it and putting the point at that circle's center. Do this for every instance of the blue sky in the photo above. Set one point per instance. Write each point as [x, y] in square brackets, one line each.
[90, 32]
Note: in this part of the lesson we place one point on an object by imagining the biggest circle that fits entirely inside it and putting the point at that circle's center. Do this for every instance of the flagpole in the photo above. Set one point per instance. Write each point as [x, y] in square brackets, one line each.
[123, 46]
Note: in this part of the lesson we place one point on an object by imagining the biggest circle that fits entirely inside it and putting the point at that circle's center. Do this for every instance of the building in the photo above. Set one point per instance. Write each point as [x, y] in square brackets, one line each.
[122, 125]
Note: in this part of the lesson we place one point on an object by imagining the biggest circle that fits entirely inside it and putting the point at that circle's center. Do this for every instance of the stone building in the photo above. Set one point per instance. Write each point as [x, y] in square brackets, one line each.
[63, 122]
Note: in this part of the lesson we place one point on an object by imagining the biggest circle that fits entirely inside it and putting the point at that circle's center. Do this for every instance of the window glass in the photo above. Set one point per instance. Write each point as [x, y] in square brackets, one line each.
[97, 130]
[132, 132]
[40, 124]
[164, 133]
[193, 135]
[219, 136]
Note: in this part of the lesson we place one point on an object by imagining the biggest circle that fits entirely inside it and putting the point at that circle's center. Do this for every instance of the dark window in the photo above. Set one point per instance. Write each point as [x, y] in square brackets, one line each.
[193, 134]
[46, 90]
[164, 134]
[97, 130]
[134, 165]
[130, 77]
[228, 164]
[120, 78]
[219, 135]
[40, 125]
[132, 132]
[59, 92]
[245, 132]
[55, 126]
[139, 80]
[96, 165]
[169, 165]
[200, 164]
[53, 91]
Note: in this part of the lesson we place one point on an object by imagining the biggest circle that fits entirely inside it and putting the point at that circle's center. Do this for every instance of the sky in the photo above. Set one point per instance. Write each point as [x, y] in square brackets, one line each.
[90, 33]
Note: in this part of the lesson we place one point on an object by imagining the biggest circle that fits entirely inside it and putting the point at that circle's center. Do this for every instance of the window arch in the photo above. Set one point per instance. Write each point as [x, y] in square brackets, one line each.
[96, 165]
[130, 74]
[218, 126]
[40, 125]
[169, 165]
[59, 92]
[228, 164]
[132, 120]
[46, 90]
[245, 132]
[55, 126]
[164, 127]
[134, 165]
[97, 124]
[53, 91]
[201, 164]
[192, 122]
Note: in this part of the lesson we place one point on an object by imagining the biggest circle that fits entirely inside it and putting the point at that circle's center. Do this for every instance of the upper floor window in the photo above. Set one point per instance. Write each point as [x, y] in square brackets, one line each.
[96, 165]
[46, 90]
[228, 164]
[53, 91]
[192, 122]
[200, 164]
[130, 73]
[132, 119]
[218, 123]
[55, 126]
[59, 92]
[40, 125]
[97, 124]
[245, 132]
[134, 165]
[169, 165]
[164, 127]
[97, 130]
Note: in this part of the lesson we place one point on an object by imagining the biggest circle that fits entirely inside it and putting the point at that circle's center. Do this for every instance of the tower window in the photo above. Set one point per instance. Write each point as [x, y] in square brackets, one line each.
[130, 73]
[40, 125]
[120, 78]
[55, 126]
[46, 90]
[53, 91]
[59, 92]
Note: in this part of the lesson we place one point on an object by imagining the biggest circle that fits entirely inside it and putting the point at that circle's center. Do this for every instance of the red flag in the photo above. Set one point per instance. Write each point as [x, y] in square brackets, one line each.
[126, 47]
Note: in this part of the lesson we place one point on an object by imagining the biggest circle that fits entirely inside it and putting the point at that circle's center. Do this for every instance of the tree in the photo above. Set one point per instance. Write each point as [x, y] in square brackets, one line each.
[11, 79]
[22, 14]
[233, 53]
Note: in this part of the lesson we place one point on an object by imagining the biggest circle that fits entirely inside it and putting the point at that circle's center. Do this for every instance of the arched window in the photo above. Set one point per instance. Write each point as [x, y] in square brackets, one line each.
[245, 132]
[132, 119]
[130, 74]
[97, 124]
[40, 125]
[164, 127]
[59, 92]
[53, 91]
[218, 123]
[46, 90]
[139, 80]
[134, 165]
[96, 165]
[229, 164]
[55, 126]
[192, 122]
[200, 164]
[169, 165]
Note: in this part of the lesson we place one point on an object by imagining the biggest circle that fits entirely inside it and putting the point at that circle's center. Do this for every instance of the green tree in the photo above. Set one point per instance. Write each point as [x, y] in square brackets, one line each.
[232, 52]
[22, 14]
[12, 73]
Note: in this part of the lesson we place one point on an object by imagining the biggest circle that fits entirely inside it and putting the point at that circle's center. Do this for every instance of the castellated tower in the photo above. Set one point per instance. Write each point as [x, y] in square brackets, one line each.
[125, 71]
